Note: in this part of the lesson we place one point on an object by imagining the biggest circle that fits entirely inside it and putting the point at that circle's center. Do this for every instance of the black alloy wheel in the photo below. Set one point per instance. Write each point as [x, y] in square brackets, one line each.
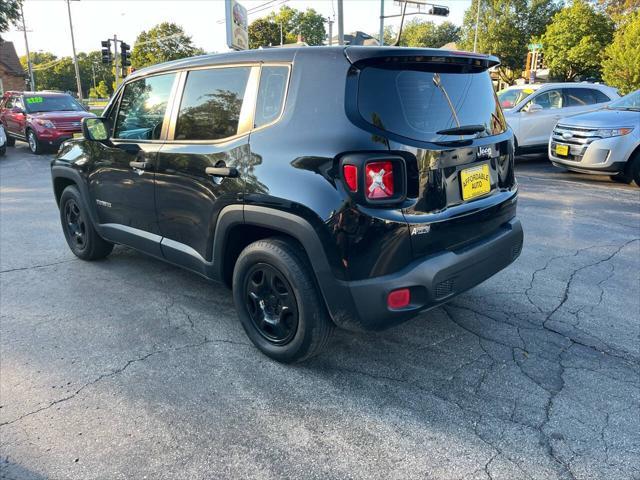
[75, 224]
[271, 304]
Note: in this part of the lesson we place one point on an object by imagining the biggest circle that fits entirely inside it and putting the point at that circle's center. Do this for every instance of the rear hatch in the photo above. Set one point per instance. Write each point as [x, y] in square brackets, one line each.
[439, 112]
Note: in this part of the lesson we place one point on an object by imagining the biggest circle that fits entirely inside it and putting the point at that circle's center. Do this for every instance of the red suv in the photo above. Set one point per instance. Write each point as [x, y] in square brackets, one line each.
[42, 119]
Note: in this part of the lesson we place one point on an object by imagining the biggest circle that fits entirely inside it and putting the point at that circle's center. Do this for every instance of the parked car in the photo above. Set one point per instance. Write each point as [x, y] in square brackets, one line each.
[3, 141]
[532, 110]
[286, 175]
[606, 141]
[42, 119]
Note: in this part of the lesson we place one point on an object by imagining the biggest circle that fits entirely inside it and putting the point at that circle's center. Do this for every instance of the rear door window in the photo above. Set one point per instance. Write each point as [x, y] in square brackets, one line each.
[211, 103]
[580, 97]
[271, 93]
[416, 102]
[143, 107]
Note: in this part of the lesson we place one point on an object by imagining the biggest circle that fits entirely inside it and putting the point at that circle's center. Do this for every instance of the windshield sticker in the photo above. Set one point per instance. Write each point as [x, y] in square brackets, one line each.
[34, 100]
[527, 90]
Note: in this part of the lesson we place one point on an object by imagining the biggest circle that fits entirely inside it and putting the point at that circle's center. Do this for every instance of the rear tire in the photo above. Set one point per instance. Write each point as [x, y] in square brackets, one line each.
[278, 302]
[82, 238]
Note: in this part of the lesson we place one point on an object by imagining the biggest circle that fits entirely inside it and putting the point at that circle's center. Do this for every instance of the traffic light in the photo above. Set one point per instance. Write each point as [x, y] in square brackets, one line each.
[438, 11]
[539, 60]
[125, 54]
[106, 51]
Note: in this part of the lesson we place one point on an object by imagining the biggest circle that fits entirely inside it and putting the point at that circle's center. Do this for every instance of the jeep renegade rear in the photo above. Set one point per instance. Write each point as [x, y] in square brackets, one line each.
[327, 186]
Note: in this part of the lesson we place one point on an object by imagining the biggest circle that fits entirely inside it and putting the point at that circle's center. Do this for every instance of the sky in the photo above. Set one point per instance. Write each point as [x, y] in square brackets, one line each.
[95, 20]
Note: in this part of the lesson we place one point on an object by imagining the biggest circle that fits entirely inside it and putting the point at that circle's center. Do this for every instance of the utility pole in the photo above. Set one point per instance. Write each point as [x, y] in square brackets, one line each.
[26, 45]
[340, 23]
[475, 37]
[330, 30]
[115, 58]
[75, 58]
[281, 36]
[381, 37]
[93, 71]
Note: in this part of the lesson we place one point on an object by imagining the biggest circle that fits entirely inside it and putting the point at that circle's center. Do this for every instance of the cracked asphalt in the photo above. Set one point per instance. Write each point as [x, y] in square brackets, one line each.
[131, 368]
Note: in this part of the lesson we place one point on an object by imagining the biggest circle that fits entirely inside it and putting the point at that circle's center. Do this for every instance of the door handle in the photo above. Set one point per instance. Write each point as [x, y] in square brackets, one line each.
[140, 165]
[222, 172]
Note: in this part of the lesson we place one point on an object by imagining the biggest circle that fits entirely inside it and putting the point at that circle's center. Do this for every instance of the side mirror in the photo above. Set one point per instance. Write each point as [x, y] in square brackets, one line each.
[95, 128]
[535, 107]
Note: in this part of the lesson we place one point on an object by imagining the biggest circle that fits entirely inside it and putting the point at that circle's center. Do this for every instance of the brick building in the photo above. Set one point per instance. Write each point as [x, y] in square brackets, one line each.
[12, 74]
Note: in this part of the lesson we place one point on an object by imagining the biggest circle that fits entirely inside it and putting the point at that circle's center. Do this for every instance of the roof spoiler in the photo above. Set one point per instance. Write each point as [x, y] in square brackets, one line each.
[386, 55]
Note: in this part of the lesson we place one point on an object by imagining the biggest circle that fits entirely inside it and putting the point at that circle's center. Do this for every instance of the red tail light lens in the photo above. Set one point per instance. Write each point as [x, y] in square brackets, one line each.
[399, 298]
[379, 180]
[350, 175]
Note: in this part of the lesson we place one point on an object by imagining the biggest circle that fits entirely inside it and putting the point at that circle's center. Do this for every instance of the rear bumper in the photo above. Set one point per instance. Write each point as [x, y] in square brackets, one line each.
[432, 280]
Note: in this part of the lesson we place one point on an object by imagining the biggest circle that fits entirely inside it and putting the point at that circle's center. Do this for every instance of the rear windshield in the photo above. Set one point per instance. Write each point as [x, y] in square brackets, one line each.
[416, 103]
[59, 103]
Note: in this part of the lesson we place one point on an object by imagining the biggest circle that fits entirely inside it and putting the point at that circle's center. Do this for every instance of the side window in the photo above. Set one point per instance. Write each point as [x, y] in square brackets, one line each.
[273, 85]
[211, 103]
[580, 97]
[9, 103]
[601, 97]
[18, 102]
[548, 100]
[142, 108]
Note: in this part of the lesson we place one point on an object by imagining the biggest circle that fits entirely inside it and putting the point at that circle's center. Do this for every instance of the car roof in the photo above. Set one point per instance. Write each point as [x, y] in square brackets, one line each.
[536, 86]
[270, 54]
[44, 93]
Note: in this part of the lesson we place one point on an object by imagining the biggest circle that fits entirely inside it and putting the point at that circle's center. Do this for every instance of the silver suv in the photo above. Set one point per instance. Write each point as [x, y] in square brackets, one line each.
[605, 141]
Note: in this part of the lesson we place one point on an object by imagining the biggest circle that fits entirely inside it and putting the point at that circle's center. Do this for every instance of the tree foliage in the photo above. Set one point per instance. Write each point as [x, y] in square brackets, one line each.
[166, 41]
[309, 24]
[574, 41]
[621, 64]
[53, 73]
[9, 14]
[263, 33]
[505, 29]
[421, 33]
[100, 91]
[617, 9]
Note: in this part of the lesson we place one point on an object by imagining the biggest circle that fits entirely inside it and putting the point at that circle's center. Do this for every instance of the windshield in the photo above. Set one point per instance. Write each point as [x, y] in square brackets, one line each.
[628, 102]
[510, 97]
[58, 103]
[419, 103]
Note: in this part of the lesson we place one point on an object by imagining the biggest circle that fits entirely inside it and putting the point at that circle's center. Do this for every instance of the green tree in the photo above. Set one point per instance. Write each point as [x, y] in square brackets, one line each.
[621, 64]
[574, 41]
[420, 33]
[263, 33]
[617, 9]
[100, 91]
[166, 41]
[308, 24]
[505, 29]
[9, 14]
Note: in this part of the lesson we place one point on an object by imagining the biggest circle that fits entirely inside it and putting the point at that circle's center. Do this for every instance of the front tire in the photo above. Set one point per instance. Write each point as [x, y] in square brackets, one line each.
[634, 168]
[82, 238]
[278, 302]
[621, 177]
[35, 145]
[11, 142]
[3, 150]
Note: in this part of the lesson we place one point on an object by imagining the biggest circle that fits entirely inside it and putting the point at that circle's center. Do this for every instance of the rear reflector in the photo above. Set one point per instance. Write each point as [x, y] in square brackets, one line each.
[399, 298]
[350, 174]
[379, 180]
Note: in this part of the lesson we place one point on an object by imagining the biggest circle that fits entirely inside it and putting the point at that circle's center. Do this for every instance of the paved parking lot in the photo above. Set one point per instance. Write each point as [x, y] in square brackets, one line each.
[131, 368]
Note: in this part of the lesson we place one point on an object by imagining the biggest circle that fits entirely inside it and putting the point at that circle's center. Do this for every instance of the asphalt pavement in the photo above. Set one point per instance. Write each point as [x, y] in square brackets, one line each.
[132, 368]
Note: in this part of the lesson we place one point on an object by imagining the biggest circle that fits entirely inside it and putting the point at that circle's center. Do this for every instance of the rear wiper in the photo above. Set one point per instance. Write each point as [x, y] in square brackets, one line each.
[462, 130]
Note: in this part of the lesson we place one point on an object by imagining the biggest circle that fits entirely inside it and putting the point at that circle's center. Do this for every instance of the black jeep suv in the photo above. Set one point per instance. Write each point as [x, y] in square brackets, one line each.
[348, 186]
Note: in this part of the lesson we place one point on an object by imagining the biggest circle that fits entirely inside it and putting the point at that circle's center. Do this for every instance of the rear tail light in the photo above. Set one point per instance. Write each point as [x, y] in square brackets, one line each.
[379, 180]
[350, 174]
[399, 298]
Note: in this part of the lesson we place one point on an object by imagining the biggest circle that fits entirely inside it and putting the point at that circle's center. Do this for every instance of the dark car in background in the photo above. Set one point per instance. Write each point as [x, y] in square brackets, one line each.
[327, 186]
[42, 119]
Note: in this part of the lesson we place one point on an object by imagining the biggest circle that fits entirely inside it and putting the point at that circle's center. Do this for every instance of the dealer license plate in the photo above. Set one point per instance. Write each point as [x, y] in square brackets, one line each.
[475, 181]
[562, 150]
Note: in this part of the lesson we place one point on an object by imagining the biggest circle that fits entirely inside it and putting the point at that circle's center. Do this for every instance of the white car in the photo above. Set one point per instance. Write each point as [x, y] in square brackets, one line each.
[3, 141]
[533, 110]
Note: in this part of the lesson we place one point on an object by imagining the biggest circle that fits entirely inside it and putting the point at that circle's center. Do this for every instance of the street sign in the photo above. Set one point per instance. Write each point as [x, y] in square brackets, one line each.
[535, 46]
[237, 25]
